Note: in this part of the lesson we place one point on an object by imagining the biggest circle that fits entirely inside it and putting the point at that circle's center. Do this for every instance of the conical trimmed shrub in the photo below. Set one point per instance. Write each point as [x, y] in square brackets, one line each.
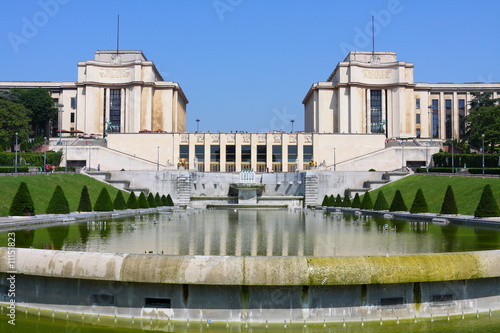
[85, 205]
[132, 201]
[380, 202]
[487, 206]
[331, 201]
[398, 204]
[347, 201]
[164, 200]
[419, 203]
[338, 201]
[22, 204]
[170, 201]
[325, 201]
[151, 201]
[356, 202]
[158, 200]
[142, 202]
[367, 202]
[103, 202]
[58, 204]
[449, 205]
[119, 202]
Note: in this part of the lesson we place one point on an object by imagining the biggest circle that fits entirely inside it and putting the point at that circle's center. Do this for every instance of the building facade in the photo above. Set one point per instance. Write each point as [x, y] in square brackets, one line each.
[373, 92]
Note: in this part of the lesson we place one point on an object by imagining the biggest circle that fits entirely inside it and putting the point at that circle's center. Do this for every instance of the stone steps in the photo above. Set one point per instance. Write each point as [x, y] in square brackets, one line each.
[183, 190]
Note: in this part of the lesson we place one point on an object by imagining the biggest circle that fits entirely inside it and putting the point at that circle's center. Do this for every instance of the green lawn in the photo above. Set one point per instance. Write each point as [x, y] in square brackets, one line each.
[467, 191]
[41, 188]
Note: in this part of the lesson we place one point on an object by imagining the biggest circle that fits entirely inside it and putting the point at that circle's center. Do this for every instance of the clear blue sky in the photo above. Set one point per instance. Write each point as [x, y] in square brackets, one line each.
[247, 64]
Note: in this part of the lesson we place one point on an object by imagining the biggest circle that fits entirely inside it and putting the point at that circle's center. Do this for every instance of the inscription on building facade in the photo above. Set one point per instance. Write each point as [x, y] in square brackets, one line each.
[115, 73]
[376, 74]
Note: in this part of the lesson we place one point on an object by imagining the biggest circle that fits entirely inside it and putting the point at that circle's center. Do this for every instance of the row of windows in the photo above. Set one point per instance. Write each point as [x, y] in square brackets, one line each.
[435, 104]
[246, 153]
[434, 108]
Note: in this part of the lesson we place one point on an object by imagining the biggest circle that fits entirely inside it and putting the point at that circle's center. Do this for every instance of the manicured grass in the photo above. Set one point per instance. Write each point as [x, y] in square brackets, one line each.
[467, 191]
[42, 187]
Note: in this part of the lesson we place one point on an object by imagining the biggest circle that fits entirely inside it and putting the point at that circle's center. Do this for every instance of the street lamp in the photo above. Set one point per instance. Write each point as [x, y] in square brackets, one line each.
[66, 157]
[15, 169]
[158, 159]
[197, 125]
[452, 159]
[482, 136]
[44, 152]
[334, 160]
[292, 121]
[431, 134]
[60, 111]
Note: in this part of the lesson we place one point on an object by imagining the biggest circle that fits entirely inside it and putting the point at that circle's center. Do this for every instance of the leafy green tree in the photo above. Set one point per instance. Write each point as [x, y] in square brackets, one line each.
[356, 202]
[119, 202]
[169, 200]
[419, 203]
[449, 205]
[398, 204]
[380, 202]
[338, 201]
[367, 202]
[158, 200]
[325, 201]
[483, 118]
[164, 201]
[142, 201]
[151, 200]
[347, 201]
[487, 206]
[58, 204]
[14, 118]
[132, 201]
[41, 105]
[85, 205]
[22, 204]
[103, 202]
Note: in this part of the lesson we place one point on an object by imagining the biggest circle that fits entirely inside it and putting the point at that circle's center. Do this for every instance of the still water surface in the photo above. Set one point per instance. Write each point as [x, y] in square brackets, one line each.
[258, 233]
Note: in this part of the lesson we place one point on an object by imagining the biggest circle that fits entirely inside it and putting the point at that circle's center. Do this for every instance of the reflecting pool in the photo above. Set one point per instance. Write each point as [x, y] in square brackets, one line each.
[258, 233]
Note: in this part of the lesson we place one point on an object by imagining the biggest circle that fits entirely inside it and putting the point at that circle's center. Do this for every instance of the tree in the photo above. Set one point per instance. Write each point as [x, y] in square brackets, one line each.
[170, 201]
[449, 205]
[119, 202]
[41, 105]
[419, 203]
[380, 202]
[483, 118]
[367, 202]
[151, 201]
[398, 204]
[331, 200]
[14, 118]
[22, 204]
[142, 202]
[164, 200]
[132, 201]
[347, 201]
[85, 204]
[487, 206]
[356, 202]
[325, 201]
[103, 202]
[338, 201]
[58, 204]
[158, 200]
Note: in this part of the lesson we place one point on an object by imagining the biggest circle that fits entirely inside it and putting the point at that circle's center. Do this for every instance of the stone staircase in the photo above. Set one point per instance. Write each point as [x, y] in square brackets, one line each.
[183, 190]
[120, 184]
[370, 185]
[311, 190]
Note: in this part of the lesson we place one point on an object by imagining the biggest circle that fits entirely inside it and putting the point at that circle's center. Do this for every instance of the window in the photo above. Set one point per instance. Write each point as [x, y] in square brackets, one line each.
[199, 153]
[160, 303]
[261, 153]
[417, 121]
[435, 118]
[115, 110]
[215, 154]
[277, 155]
[418, 133]
[246, 154]
[461, 115]
[448, 118]
[184, 152]
[292, 154]
[73, 103]
[231, 153]
[417, 103]
[308, 153]
[72, 116]
[376, 111]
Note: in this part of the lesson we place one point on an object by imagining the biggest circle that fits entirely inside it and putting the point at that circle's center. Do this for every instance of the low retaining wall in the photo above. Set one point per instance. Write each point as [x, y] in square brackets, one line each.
[255, 289]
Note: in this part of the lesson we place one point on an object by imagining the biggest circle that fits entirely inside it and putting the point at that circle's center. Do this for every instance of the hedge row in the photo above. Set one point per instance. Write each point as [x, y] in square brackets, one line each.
[466, 160]
[8, 159]
[476, 171]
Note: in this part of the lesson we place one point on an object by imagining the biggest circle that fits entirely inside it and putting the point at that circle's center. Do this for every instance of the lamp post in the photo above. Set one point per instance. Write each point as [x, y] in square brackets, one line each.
[402, 158]
[44, 152]
[15, 149]
[197, 125]
[60, 111]
[66, 157]
[482, 137]
[334, 160]
[292, 121]
[452, 159]
[431, 134]
[158, 159]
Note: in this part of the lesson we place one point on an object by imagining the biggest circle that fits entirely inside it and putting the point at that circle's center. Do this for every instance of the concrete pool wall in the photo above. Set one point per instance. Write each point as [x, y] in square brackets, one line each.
[255, 289]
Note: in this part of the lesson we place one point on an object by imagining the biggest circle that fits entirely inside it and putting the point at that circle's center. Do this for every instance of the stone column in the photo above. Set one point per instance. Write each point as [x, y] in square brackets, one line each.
[368, 111]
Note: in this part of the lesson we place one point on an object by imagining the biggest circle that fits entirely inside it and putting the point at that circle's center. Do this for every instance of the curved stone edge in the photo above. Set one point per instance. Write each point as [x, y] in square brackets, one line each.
[264, 271]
